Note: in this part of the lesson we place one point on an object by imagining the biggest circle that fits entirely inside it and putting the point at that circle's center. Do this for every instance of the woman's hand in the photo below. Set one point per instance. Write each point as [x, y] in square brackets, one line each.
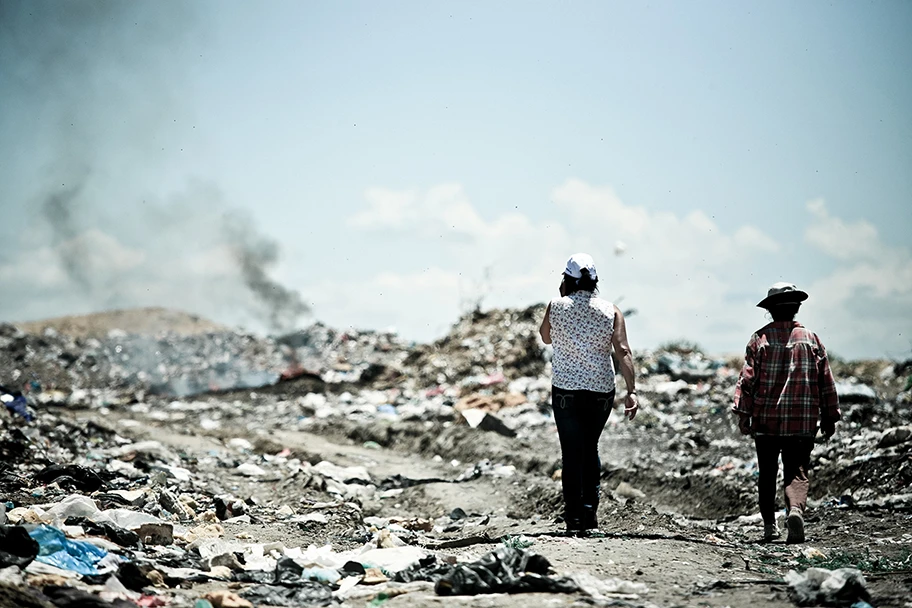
[631, 406]
[744, 424]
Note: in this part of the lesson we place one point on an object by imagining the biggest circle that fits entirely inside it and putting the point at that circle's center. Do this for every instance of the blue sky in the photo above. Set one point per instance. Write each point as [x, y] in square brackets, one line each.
[411, 159]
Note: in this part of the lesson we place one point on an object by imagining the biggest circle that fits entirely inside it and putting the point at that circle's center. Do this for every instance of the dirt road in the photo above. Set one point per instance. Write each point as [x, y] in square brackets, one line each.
[656, 540]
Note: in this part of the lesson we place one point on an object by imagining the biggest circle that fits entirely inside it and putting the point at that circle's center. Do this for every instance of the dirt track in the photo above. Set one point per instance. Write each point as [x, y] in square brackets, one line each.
[683, 561]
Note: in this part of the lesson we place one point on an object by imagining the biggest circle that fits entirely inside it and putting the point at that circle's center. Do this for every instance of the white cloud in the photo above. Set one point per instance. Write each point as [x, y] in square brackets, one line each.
[680, 273]
[839, 239]
[684, 274]
[385, 209]
[866, 301]
[95, 252]
[102, 253]
[422, 303]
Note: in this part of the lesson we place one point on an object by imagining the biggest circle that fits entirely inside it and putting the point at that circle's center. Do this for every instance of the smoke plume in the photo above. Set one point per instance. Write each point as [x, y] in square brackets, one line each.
[98, 87]
[256, 254]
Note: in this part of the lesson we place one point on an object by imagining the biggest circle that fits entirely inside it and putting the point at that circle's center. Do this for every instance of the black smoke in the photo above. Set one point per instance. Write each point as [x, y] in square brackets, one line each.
[103, 86]
[256, 254]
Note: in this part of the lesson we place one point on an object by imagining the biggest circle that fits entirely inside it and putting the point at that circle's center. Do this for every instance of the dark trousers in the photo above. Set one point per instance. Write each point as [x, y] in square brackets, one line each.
[580, 417]
[796, 456]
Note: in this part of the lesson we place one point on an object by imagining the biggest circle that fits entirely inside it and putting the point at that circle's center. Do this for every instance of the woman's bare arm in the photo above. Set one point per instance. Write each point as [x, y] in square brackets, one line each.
[625, 361]
[545, 329]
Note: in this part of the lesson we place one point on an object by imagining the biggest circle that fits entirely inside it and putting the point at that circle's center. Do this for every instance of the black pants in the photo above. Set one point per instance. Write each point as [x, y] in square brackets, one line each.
[580, 417]
[796, 456]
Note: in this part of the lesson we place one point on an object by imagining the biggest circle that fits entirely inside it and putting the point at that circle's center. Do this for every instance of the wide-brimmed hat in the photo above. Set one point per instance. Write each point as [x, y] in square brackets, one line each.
[782, 293]
[579, 261]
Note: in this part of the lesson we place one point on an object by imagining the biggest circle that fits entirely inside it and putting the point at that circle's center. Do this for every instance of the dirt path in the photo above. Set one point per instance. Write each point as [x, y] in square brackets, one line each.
[679, 568]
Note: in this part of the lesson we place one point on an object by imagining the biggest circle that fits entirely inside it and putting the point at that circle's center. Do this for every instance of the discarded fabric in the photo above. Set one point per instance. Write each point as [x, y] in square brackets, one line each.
[305, 594]
[17, 548]
[505, 570]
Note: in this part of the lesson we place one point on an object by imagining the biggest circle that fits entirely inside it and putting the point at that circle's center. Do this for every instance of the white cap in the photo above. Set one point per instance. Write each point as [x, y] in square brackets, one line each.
[577, 262]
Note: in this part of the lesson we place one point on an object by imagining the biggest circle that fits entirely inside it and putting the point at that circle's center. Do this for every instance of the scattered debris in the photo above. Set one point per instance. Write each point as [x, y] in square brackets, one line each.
[819, 586]
[94, 495]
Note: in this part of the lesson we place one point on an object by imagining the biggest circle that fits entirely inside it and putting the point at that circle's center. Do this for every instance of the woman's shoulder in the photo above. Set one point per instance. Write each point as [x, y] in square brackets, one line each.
[604, 304]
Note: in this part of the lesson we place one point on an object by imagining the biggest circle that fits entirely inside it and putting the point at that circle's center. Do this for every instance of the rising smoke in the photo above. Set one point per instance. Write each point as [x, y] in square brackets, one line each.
[58, 212]
[99, 85]
[256, 254]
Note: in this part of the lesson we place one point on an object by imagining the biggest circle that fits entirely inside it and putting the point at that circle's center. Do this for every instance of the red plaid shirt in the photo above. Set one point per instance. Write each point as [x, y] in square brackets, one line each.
[786, 384]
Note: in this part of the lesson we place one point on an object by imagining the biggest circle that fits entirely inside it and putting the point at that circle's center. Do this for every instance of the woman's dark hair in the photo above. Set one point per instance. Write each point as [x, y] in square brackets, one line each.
[584, 283]
[784, 312]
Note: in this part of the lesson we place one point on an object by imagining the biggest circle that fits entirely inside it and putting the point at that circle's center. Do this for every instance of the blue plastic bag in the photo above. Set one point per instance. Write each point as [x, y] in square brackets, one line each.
[57, 550]
[19, 406]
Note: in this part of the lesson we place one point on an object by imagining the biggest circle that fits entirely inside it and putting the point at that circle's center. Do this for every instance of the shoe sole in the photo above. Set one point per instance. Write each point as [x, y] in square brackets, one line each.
[795, 524]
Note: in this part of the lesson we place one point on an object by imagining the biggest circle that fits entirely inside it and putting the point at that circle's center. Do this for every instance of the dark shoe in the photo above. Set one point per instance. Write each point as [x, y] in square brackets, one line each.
[574, 526]
[589, 520]
[795, 524]
[770, 532]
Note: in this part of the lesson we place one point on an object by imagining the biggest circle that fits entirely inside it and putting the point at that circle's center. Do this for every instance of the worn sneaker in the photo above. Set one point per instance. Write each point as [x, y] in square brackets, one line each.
[574, 526]
[795, 524]
[770, 532]
[589, 520]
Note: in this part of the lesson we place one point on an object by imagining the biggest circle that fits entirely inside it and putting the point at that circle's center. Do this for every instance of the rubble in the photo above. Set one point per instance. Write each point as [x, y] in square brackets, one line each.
[94, 472]
[819, 586]
[506, 570]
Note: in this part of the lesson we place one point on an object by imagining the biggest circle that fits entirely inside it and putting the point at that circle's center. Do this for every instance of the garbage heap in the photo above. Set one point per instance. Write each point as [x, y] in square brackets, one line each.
[124, 367]
[88, 509]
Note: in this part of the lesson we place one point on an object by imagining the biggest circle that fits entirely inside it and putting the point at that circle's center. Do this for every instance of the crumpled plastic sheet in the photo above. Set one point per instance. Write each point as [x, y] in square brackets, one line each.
[306, 593]
[290, 573]
[425, 569]
[57, 550]
[505, 570]
[819, 586]
[121, 536]
[82, 478]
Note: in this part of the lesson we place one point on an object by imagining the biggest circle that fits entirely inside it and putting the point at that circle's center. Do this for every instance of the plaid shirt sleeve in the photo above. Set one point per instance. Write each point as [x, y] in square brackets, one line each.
[744, 390]
[829, 400]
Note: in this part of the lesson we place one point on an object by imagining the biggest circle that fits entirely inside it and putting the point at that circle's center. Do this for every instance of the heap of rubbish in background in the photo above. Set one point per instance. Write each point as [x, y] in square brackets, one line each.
[90, 509]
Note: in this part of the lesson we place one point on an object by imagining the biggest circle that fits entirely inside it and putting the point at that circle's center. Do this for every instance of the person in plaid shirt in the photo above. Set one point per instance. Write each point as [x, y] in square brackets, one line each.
[785, 388]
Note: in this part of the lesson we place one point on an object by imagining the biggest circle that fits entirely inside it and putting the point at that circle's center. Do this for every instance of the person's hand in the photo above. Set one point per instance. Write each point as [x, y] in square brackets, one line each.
[631, 406]
[744, 425]
[827, 427]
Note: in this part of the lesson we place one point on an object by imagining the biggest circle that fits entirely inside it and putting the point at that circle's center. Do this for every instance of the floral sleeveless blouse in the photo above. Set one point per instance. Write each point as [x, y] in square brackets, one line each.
[581, 328]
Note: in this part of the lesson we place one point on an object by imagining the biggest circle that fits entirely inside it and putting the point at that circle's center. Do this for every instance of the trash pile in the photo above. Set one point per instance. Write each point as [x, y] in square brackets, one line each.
[481, 348]
[95, 502]
[123, 367]
[822, 587]
[87, 512]
[350, 356]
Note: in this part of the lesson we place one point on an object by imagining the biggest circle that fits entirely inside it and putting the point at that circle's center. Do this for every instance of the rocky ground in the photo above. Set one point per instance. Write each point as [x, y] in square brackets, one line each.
[356, 469]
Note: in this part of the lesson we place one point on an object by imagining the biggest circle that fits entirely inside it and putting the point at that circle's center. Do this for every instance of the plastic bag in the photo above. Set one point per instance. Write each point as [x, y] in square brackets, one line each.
[57, 550]
[303, 594]
[505, 570]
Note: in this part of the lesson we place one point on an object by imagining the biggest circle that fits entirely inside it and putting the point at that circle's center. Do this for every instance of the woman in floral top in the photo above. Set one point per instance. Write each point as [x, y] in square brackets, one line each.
[583, 328]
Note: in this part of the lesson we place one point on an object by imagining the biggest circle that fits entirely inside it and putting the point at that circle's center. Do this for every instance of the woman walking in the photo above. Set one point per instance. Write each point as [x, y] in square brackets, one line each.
[583, 328]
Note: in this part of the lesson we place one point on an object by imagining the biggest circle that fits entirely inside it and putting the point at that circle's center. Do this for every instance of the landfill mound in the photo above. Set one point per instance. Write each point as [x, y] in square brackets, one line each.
[147, 321]
[355, 467]
[481, 345]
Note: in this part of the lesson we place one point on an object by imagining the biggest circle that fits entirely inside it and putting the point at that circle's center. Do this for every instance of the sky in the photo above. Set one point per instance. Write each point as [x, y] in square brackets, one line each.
[392, 165]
